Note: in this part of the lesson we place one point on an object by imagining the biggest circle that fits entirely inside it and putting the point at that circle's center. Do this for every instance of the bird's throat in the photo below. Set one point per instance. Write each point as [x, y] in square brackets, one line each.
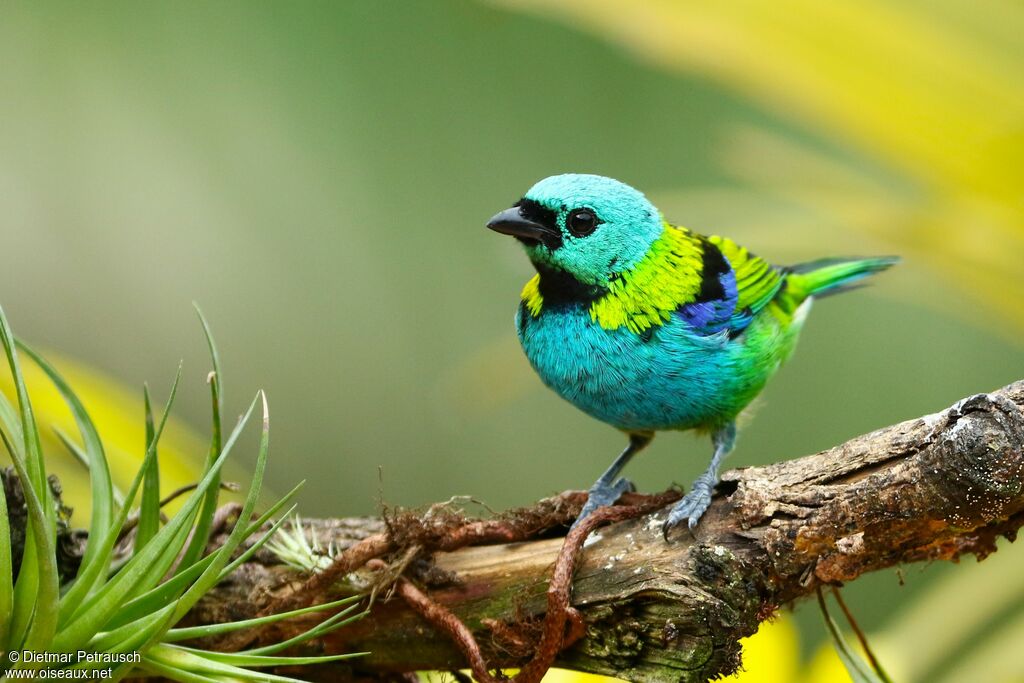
[553, 288]
[559, 287]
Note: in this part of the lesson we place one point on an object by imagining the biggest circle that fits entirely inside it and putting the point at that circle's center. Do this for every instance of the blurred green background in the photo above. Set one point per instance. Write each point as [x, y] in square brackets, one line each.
[317, 176]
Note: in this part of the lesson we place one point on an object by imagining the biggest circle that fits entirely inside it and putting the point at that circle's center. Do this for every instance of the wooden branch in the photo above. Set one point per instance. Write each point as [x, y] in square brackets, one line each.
[932, 488]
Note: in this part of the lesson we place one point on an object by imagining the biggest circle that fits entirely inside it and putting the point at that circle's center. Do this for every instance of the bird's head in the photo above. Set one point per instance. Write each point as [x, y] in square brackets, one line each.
[588, 226]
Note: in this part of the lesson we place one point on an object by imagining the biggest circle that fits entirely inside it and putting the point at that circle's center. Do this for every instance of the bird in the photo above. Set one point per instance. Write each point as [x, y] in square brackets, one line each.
[649, 326]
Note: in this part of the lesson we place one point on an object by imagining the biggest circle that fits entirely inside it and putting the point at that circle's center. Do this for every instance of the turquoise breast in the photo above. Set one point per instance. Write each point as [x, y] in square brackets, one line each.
[667, 378]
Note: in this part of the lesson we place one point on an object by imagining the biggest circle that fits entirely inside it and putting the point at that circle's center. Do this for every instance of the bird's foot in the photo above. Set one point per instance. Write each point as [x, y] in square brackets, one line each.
[602, 495]
[691, 508]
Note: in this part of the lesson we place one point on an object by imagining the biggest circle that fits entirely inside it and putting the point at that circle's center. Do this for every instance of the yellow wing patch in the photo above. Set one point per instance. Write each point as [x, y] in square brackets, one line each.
[667, 277]
[757, 281]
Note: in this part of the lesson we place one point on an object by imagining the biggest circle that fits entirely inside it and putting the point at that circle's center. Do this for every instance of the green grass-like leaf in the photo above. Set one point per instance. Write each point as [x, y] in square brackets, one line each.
[859, 669]
[208, 579]
[214, 664]
[93, 573]
[202, 532]
[75, 451]
[149, 509]
[167, 591]
[141, 569]
[6, 574]
[207, 630]
[37, 589]
[38, 546]
[101, 488]
[338, 620]
[131, 601]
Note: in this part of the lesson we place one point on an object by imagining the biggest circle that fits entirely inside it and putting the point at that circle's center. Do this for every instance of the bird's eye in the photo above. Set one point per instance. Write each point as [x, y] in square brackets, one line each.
[581, 222]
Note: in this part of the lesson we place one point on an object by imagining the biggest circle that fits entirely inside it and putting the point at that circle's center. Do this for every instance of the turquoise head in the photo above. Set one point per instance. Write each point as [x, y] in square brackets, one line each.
[588, 226]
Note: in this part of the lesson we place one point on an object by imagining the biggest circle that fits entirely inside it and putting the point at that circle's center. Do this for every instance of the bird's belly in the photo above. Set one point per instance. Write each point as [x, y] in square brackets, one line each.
[670, 379]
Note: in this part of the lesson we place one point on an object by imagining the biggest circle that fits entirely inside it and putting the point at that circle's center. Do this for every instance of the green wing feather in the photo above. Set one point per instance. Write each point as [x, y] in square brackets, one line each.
[760, 283]
[757, 281]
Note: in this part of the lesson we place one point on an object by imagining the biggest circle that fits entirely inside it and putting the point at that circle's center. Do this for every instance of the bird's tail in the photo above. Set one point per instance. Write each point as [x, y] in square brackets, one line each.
[834, 275]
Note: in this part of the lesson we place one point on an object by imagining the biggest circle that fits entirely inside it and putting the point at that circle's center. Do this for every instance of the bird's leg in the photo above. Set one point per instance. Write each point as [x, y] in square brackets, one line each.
[694, 503]
[609, 486]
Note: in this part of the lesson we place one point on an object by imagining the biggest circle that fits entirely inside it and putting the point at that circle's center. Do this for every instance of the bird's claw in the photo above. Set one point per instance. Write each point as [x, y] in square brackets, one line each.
[691, 508]
[602, 496]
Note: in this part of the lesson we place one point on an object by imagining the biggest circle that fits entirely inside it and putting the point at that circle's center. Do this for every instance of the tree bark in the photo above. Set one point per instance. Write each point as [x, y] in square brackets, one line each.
[932, 488]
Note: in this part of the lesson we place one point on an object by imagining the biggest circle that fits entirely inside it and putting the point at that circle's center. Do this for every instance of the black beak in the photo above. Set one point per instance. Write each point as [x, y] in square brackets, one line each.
[511, 222]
